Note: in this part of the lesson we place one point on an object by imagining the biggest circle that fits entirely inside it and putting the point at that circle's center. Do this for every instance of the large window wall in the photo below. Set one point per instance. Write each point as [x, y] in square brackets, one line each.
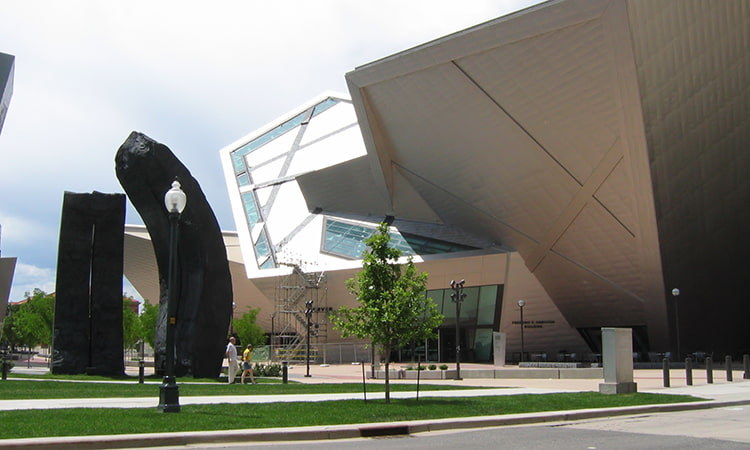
[480, 316]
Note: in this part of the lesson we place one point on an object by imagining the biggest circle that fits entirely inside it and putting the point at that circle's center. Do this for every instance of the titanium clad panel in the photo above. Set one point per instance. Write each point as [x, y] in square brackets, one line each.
[587, 300]
[7, 67]
[693, 63]
[597, 242]
[559, 87]
[7, 268]
[445, 131]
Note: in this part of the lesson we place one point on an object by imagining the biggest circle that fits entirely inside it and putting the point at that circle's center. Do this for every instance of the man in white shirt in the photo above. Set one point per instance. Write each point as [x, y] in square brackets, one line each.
[231, 355]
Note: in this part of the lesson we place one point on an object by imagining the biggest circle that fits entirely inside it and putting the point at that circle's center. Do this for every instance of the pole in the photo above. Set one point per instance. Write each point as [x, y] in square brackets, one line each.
[709, 370]
[169, 396]
[522, 327]
[458, 297]
[308, 313]
[665, 370]
[689, 371]
[364, 383]
[728, 367]
[458, 341]
[675, 294]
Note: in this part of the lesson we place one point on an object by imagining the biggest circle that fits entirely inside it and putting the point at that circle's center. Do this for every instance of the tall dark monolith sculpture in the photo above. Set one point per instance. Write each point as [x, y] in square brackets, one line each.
[87, 334]
[146, 170]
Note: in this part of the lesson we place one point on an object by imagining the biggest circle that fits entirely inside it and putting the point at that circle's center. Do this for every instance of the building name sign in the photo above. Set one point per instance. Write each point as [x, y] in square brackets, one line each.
[534, 323]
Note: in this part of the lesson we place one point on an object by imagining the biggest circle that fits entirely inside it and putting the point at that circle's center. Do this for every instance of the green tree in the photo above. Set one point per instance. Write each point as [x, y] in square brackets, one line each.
[32, 323]
[147, 323]
[131, 327]
[10, 337]
[394, 309]
[248, 330]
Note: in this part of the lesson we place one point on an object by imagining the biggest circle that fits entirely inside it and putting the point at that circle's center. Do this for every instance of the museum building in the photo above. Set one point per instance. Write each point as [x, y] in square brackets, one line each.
[585, 156]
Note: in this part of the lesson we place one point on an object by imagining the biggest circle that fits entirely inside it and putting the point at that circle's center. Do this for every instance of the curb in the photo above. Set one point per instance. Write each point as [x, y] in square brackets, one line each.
[327, 432]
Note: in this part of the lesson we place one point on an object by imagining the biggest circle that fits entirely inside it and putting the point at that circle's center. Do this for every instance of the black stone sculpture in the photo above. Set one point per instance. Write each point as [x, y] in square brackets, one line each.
[146, 170]
[87, 334]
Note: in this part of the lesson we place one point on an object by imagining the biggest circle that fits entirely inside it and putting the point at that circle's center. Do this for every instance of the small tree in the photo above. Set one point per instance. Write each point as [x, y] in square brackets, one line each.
[248, 330]
[32, 323]
[394, 309]
[131, 328]
[147, 323]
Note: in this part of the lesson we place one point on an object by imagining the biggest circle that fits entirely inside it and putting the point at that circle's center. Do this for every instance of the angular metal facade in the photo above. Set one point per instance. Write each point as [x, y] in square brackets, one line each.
[605, 141]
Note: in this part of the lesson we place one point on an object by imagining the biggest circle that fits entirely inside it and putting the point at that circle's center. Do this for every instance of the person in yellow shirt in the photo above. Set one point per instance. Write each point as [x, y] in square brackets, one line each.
[247, 366]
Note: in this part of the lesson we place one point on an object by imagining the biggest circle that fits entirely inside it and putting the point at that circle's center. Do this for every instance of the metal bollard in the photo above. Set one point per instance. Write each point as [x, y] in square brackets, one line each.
[284, 372]
[746, 366]
[689, 371]
[728, 366]
[5, 369]
[141, 371]
[709, 370]
[665, 369]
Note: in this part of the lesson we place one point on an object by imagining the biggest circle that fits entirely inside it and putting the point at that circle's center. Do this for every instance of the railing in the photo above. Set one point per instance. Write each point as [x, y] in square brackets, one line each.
[341, 353]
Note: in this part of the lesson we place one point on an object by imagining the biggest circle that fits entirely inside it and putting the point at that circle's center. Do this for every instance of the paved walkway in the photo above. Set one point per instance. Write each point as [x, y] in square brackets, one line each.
[720, 393]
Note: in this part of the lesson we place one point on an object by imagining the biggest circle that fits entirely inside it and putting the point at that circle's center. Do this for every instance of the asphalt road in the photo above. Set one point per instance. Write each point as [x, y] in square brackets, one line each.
[720, 428]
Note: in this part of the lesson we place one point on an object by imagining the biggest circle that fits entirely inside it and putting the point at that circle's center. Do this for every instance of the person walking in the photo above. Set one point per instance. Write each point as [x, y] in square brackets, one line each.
[231, 355]
[247, 365]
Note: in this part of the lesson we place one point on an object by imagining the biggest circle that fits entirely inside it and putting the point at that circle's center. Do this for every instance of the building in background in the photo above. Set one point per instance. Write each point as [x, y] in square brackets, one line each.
[7, 65]
[587, 157]
[7, 264]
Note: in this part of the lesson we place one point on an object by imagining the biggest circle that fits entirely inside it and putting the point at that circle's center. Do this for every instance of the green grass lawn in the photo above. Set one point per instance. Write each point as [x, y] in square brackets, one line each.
[47, 388]
[93, 421]
[98, 421]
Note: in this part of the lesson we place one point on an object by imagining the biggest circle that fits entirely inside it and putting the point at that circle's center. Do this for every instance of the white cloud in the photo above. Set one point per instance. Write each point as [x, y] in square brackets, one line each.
[28, 277]
[22, 230]
[193, 75]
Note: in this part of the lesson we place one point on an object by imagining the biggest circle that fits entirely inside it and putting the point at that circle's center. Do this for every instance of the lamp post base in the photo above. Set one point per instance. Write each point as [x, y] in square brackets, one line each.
[169, 396]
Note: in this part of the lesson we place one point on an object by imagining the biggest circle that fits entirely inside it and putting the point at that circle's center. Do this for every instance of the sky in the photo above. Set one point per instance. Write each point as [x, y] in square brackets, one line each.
[193, 75]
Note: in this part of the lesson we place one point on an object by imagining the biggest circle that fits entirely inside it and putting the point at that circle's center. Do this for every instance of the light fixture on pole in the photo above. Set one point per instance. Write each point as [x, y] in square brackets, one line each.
[308, 313]
[458, 297]
[169, 395]
[521, 304]
[675, 294]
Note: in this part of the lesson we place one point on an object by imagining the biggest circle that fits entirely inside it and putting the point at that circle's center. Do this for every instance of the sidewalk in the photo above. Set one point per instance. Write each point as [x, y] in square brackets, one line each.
[720, 393]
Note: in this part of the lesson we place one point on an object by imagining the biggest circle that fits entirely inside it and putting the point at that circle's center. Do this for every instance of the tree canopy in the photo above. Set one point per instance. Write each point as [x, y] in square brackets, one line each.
[30, 323]
[248, 331]
[394, 309]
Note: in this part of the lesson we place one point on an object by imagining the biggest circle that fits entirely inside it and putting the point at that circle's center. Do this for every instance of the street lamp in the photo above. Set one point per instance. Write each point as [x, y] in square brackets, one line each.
[169, 395]
[521, 304]
[675, 294]
[308, 313]
[458, 297]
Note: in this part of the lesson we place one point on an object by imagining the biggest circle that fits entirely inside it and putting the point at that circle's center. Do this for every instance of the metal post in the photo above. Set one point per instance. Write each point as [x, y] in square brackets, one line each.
[141, 371]
[169, 395]
[709, 370]
[521, 304]
[675, 294]
[746, 366]
[5, 367]
[689, 371]
[284, 372]
[665, 370]
[728, 366]
[458, 297]
[308, 313]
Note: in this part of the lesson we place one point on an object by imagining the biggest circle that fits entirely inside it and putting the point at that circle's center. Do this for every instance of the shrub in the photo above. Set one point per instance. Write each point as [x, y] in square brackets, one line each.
[267, 370]
[443, 366]
[421, 367]
[409, 368]
[432, 367]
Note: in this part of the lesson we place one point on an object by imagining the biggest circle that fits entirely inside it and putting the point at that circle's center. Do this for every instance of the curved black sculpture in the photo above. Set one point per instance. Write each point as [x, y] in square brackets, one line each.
[146, 170]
